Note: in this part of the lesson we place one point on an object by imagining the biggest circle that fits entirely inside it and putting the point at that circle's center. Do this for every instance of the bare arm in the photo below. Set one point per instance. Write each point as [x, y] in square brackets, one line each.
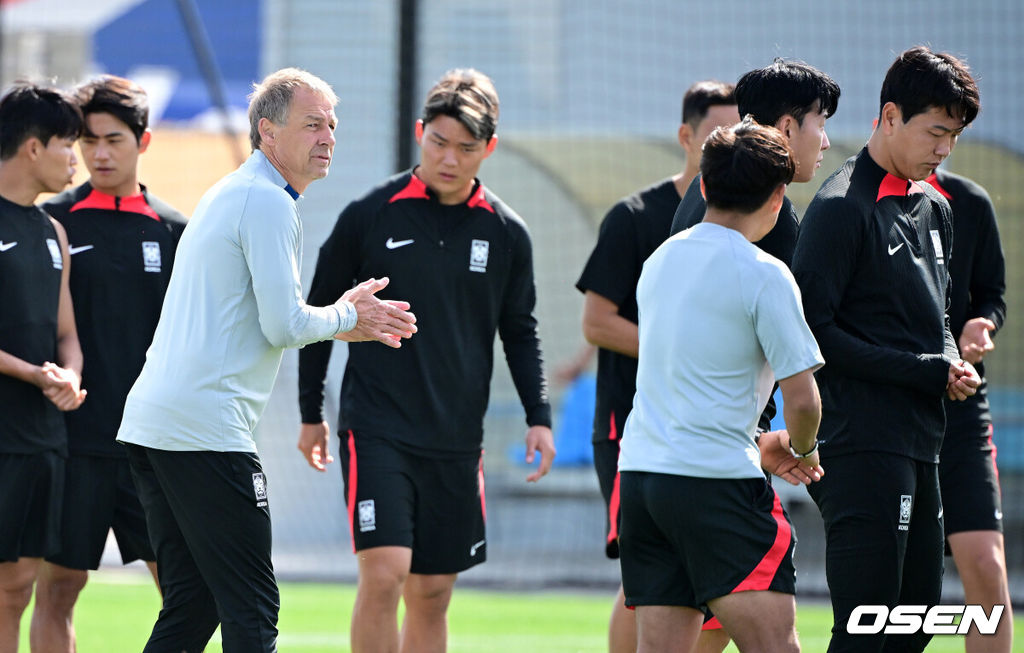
[604, 327]
[802, 411]
[68, 369]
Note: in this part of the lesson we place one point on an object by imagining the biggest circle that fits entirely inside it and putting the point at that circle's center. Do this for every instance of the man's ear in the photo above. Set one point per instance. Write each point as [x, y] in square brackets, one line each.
[32, 147]
[266, 128]
[144, 140]
[702, 193]
[419, 132]
[787, 124]
[685, 136]
[491, 144]
[891, 116]
[777, 196]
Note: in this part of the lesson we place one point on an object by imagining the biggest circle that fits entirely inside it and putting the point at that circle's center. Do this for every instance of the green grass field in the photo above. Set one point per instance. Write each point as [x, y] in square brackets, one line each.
[117, 610]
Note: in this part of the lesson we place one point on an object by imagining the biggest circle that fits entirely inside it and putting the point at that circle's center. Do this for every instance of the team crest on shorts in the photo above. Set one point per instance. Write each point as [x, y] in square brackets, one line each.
[150, 256]
[55, 254]
[367, 516]
[259, 486]
[906, 506]
[478, 252]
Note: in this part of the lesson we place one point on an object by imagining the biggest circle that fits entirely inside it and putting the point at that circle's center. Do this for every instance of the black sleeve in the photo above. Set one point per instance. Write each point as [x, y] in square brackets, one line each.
[609, 270]
[951, 350]
[827, 251]
[336, 270]
[988, 273]
[517, 327]
[690, 210]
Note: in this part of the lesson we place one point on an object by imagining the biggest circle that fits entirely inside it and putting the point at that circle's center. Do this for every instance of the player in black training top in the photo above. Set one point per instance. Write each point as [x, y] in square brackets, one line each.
[121, 241]
[968, 478]
[629, 233]
[40, 358]
[412, 418]
[871, 262]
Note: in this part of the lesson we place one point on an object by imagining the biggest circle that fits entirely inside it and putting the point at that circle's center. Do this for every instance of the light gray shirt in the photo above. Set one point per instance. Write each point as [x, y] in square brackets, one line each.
[233, 304]
[720, 320]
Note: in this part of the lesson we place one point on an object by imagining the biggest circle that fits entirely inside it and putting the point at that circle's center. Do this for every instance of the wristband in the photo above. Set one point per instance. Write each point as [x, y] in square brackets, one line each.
[347, 316]
[810, 453]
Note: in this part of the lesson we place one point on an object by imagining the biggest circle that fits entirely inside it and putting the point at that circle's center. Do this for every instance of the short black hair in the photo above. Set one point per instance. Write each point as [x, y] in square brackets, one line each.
[920, 79]
[786, 87]
[467, 95]
[30, 110]
[742, 165]
[120, 97]
[703, 95]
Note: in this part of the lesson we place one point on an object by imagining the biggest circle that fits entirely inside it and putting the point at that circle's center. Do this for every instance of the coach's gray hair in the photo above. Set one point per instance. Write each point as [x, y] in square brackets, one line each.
[272, 98]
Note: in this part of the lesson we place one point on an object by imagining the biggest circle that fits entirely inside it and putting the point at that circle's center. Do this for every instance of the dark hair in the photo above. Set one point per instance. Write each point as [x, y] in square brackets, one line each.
[120, 97]
[701, 96]
[467, 95]
[786, 87]
[29, 110]
[742, 166]
[920, 79]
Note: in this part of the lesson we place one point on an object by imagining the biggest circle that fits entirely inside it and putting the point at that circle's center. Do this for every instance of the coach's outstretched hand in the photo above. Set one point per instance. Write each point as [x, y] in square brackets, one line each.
[539, 438]
[776, 459]
[383, 320]
[314, 443]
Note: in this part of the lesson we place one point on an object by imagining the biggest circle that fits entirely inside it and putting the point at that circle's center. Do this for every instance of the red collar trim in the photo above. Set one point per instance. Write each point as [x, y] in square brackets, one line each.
[893, 185]
[131, 204]
[414, 190]
[478, 198]
[933, 179]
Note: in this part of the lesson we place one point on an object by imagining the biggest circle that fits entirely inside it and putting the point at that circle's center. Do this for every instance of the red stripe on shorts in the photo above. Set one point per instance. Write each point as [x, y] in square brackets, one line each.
[613, 511]
[712, 624]
[995, 468]
[480, 482]
[613, 433]
[761, 577]
[353, 477]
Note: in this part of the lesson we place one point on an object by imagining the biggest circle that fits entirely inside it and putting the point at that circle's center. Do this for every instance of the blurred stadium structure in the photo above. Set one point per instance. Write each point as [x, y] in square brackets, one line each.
[590, 96]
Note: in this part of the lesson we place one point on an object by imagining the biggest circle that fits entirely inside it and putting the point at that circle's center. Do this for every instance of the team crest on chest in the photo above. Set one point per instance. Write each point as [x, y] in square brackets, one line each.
[478, 252]
[151, 256]
[55, 255]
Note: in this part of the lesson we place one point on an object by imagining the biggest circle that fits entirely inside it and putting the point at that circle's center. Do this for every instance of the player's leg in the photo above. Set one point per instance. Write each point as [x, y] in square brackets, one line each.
[622, 623]
[972, 509]
[621, 626]
[89, 495]
[425, 626]
[759, 620]
[449, 537]
[380, 499]
[866, 502]
[713, 637]
[16, 580]
[667, 628]
[31, 494]
[188, 616]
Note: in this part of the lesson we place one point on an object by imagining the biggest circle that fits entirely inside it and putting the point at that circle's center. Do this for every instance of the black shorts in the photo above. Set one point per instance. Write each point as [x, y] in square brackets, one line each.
[606, 464]
[969, 480]
[31, 494]
[434, 506]
[688, 540]
[99, 495]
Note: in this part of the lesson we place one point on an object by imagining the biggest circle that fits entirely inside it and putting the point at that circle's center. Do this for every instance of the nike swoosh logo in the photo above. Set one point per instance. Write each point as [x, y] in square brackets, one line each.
[472, 549]
[75, 250]
[893, 250]
[6, 246]
[395, 244]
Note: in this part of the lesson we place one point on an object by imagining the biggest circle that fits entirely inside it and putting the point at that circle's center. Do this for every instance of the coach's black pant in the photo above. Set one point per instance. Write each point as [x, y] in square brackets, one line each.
[209, 524]
[884, 541]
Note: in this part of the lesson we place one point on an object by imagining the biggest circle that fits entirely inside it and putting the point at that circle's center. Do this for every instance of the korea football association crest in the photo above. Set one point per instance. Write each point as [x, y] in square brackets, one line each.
[55, 255]
[906, 508]
[259, 487]
[367, 516]
[478, 252]
[151, 256]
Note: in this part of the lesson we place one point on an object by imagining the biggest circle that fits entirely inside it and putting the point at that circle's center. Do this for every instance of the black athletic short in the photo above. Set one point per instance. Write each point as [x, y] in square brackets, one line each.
[969, 480]
[606, 464]
[31, 493]
[434, 506]
[688, 540]
[99, 495]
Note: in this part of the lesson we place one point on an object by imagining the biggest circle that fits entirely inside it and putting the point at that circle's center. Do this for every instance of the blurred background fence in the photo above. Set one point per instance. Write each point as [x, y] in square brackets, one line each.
[590, 101]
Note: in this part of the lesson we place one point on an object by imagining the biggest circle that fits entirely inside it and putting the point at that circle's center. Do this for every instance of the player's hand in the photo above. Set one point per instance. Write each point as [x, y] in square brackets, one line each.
[963, 381]
[386, 321]
[314, 443]
[776, 459]
[539, 438]
[61, 385]
[975, 340]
